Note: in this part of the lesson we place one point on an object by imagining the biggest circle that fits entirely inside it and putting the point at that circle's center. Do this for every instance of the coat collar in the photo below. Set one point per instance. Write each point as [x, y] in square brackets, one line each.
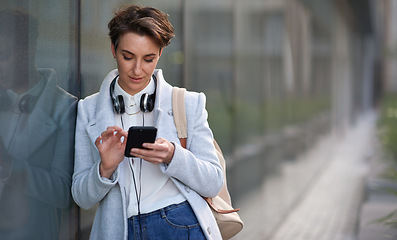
[46, 102]
[163, 96]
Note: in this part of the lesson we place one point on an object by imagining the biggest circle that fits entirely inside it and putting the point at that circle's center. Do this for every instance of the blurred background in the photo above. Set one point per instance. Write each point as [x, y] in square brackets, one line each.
[281, 77]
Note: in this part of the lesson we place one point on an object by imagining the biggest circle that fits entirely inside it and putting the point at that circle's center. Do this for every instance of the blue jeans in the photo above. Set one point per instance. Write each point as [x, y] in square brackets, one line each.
[176, 221]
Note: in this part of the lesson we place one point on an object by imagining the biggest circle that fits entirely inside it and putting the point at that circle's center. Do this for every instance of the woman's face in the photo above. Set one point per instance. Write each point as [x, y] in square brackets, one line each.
[136, 57]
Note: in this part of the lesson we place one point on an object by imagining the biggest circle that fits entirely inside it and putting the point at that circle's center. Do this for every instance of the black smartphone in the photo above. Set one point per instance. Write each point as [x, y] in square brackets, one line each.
[137, 136]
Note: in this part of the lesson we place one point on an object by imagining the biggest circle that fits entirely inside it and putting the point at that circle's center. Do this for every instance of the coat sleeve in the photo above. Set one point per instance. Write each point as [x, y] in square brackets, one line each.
[88, 187]
[197, 166]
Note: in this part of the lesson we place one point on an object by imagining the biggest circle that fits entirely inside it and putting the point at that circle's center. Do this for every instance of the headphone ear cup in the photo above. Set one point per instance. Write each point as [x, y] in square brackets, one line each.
[118, 101]
[27, 103]
[23, 103]
[147, 102]
[150, 103]
[119, 106]
[143, 103]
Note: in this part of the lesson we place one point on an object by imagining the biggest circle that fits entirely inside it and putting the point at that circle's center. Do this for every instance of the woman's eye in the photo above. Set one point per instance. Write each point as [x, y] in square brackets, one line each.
[127, 58]
[149, 60]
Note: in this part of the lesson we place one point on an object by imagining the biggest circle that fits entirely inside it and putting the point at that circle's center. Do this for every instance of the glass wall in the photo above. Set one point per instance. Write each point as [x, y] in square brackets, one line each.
[38, 73]
[279, 76]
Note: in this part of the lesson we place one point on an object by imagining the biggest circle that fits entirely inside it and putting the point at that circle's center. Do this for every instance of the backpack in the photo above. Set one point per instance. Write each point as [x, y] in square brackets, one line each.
[228, 220]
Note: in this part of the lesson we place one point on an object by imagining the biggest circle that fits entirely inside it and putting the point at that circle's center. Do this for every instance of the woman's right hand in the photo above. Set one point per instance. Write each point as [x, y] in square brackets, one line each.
[111, 146]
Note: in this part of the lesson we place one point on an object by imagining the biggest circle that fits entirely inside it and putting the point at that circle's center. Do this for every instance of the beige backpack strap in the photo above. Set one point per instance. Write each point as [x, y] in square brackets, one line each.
[179, 112]
[178, 108]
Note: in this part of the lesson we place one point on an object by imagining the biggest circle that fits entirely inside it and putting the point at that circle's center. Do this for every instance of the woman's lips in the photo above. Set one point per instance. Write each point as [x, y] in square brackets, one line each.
[135, 79]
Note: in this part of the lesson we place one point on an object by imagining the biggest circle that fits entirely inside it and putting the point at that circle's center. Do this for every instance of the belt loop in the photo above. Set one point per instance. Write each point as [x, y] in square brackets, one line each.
[162, 211]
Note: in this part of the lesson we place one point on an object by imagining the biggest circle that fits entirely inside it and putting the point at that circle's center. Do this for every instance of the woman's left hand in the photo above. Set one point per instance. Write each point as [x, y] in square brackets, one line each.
[161, 151]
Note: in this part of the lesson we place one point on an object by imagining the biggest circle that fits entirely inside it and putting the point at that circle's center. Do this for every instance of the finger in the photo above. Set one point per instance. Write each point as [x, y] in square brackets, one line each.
[158, 145]
[152, 156]
[120, 134]
[138, 152]
[164, 150]
[114, 128]
[108, 133]
[160, 140]
[150, 146]
[143, 153]
[161, 148]
[98, 141]
[113, 131]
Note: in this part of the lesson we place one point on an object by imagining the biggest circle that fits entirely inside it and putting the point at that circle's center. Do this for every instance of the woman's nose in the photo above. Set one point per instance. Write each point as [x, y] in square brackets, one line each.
[137, 68]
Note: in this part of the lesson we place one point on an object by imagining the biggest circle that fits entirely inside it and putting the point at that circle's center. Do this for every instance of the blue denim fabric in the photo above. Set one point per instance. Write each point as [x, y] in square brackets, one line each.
[176, 221]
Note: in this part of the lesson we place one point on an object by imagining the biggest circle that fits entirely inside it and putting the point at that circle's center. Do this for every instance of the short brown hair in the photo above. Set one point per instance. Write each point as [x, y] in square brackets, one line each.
[143, 21]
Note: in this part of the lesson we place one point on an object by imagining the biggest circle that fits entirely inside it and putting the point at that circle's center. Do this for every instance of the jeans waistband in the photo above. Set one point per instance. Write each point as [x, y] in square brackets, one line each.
[159, 211]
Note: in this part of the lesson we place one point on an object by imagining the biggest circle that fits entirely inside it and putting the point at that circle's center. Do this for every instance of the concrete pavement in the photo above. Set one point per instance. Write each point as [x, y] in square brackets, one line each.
[337, 204]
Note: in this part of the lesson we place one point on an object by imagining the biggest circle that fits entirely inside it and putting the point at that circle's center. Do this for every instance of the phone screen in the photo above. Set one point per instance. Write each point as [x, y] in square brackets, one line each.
[137, 136]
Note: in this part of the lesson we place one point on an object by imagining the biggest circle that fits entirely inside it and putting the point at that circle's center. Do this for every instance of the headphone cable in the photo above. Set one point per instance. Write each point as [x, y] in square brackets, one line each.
[138, 195]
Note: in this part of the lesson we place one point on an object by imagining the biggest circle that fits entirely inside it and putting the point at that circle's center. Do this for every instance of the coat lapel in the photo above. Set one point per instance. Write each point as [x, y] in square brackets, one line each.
[103, 118]
[163, 117]
[39, 125]
[104, 114]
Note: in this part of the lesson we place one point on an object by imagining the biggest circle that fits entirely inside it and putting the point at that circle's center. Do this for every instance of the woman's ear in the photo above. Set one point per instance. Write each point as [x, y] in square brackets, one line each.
[113, 51]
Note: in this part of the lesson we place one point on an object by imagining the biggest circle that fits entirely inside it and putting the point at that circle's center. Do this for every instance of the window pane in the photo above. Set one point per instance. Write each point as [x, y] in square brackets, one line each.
[37, 117]
[209, 62]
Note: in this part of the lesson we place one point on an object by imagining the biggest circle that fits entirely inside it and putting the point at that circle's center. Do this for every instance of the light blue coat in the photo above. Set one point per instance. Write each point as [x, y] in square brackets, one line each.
[196, 172]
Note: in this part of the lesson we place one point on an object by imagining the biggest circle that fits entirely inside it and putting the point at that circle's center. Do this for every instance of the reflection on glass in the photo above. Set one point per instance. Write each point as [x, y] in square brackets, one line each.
[36, 136]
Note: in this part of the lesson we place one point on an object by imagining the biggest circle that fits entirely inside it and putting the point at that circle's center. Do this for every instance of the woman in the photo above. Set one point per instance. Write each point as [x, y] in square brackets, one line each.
[158, 193]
